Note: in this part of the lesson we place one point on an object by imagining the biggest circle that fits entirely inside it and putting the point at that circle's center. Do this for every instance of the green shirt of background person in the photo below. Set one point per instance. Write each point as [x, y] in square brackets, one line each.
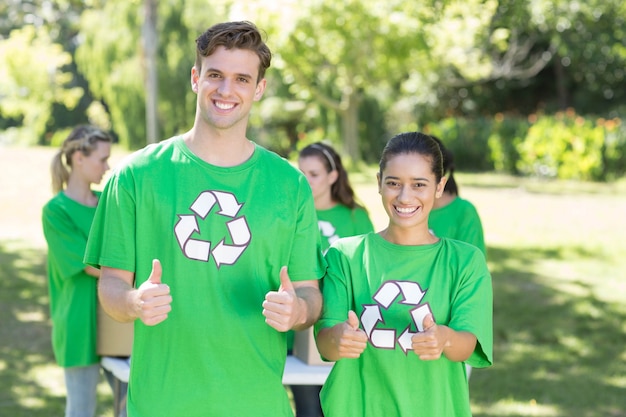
[453, 216]
[211, 241]
[81, 161]
[338, 212]
[338, 215]
[404, 309]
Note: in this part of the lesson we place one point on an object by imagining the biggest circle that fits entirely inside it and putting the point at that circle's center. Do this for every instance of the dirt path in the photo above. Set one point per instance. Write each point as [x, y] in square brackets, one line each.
[24, 189]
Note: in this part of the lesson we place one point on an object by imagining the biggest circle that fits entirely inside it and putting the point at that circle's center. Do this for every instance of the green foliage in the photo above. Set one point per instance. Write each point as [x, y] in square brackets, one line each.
[506, 136]
[565, 145]
[108, 59]
[372, 129]
[358, 70]
[614, 149]
[467, 139]
[28, 89]
[111, 58]
[59, 137]
[337, 54]
[591, 44]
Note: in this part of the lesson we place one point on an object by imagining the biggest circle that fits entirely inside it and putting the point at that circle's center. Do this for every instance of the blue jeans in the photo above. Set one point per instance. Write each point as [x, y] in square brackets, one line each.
[81, 383]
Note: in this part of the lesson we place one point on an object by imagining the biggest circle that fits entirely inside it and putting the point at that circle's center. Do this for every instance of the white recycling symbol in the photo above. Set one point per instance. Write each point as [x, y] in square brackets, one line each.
[412, 294]
[201, 250]
[327, 230]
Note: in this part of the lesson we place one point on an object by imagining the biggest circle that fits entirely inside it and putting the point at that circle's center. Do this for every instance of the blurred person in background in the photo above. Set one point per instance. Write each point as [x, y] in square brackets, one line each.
[453, 216]
[81, 162]
[338, 215]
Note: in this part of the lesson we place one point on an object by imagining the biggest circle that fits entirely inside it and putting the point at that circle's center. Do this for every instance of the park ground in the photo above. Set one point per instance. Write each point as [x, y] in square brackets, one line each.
[557, 253]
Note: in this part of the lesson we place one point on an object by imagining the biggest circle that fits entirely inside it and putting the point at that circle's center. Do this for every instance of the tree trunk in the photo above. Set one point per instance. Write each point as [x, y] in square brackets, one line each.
[561, 83]
[350, 130]
[151, 80]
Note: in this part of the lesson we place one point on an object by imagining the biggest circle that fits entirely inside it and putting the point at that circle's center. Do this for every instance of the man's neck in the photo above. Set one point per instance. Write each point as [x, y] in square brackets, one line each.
[223, 149]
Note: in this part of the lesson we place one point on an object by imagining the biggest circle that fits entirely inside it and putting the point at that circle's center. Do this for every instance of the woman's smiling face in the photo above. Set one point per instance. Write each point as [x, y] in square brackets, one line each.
[408, 188]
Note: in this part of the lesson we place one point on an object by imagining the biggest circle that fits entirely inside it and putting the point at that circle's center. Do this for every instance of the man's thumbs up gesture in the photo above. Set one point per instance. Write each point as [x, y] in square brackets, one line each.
[283, 309]
[153, 297]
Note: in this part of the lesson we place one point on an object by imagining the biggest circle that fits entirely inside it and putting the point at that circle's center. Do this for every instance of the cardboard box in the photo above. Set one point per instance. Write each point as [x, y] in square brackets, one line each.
[305, 349]
[114, 338]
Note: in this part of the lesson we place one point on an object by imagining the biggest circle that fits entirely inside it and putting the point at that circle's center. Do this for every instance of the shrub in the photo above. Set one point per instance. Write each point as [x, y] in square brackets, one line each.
[506, 136]
[467, 139]
[614, 149]
[564, 145]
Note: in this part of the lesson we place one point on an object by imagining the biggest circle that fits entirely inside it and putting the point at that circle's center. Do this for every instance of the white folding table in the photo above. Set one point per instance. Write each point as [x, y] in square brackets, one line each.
[296, 373]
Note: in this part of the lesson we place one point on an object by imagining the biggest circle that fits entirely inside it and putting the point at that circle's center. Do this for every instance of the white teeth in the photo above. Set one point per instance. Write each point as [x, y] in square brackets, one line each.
[224, 106]
[406, 209]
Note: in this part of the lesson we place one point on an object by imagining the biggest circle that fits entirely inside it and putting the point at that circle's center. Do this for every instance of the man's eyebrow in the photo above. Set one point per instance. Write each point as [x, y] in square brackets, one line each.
[215, 70]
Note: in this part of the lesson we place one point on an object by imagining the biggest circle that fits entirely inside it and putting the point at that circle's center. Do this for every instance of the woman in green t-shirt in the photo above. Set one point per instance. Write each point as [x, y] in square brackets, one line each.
[338, 213]
[404, 309]
[453, 216]
[66, 218]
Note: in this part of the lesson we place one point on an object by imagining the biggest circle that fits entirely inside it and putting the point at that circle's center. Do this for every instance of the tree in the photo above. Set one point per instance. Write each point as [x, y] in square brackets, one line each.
[543, 55]
[337, 53]
[28, 89]
[109, 57]
[150, 43]
[112, 58]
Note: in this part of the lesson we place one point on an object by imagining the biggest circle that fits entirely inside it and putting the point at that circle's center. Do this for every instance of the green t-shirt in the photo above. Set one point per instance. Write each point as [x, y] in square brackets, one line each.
[222, 236]
[458, 220]
[73, 297]
[337, 222]
[342, 221]
[391, 288]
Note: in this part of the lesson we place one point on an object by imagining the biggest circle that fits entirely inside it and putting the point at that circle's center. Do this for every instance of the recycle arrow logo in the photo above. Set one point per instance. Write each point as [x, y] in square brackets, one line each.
[201, 250]
[371, 316]
[328, 231]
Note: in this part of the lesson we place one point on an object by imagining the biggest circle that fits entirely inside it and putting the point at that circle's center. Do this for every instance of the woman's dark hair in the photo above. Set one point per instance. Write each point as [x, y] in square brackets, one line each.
[413, 142]
[234, 35]
[448, 167]
[340, 191]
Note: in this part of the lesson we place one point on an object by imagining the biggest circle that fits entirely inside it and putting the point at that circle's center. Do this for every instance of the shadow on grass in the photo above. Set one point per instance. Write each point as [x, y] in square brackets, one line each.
[29, 376]
[557, 352]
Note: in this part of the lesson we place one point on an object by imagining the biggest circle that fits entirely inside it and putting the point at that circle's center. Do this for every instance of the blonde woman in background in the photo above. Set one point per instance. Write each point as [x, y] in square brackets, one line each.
[81, 162]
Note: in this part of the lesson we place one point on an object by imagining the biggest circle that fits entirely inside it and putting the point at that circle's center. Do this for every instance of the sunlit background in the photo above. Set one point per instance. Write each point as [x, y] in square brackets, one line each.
[529, 95]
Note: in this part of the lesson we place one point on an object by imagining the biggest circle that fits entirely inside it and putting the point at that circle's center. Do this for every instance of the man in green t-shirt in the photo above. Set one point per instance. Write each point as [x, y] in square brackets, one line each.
[211, 241]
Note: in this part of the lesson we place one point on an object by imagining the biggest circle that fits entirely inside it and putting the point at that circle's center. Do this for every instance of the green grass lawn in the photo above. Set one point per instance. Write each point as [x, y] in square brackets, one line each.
[557, 252]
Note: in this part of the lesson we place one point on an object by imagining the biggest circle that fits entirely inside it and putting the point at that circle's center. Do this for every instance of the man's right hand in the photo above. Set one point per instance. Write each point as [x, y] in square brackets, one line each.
[153, 299]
